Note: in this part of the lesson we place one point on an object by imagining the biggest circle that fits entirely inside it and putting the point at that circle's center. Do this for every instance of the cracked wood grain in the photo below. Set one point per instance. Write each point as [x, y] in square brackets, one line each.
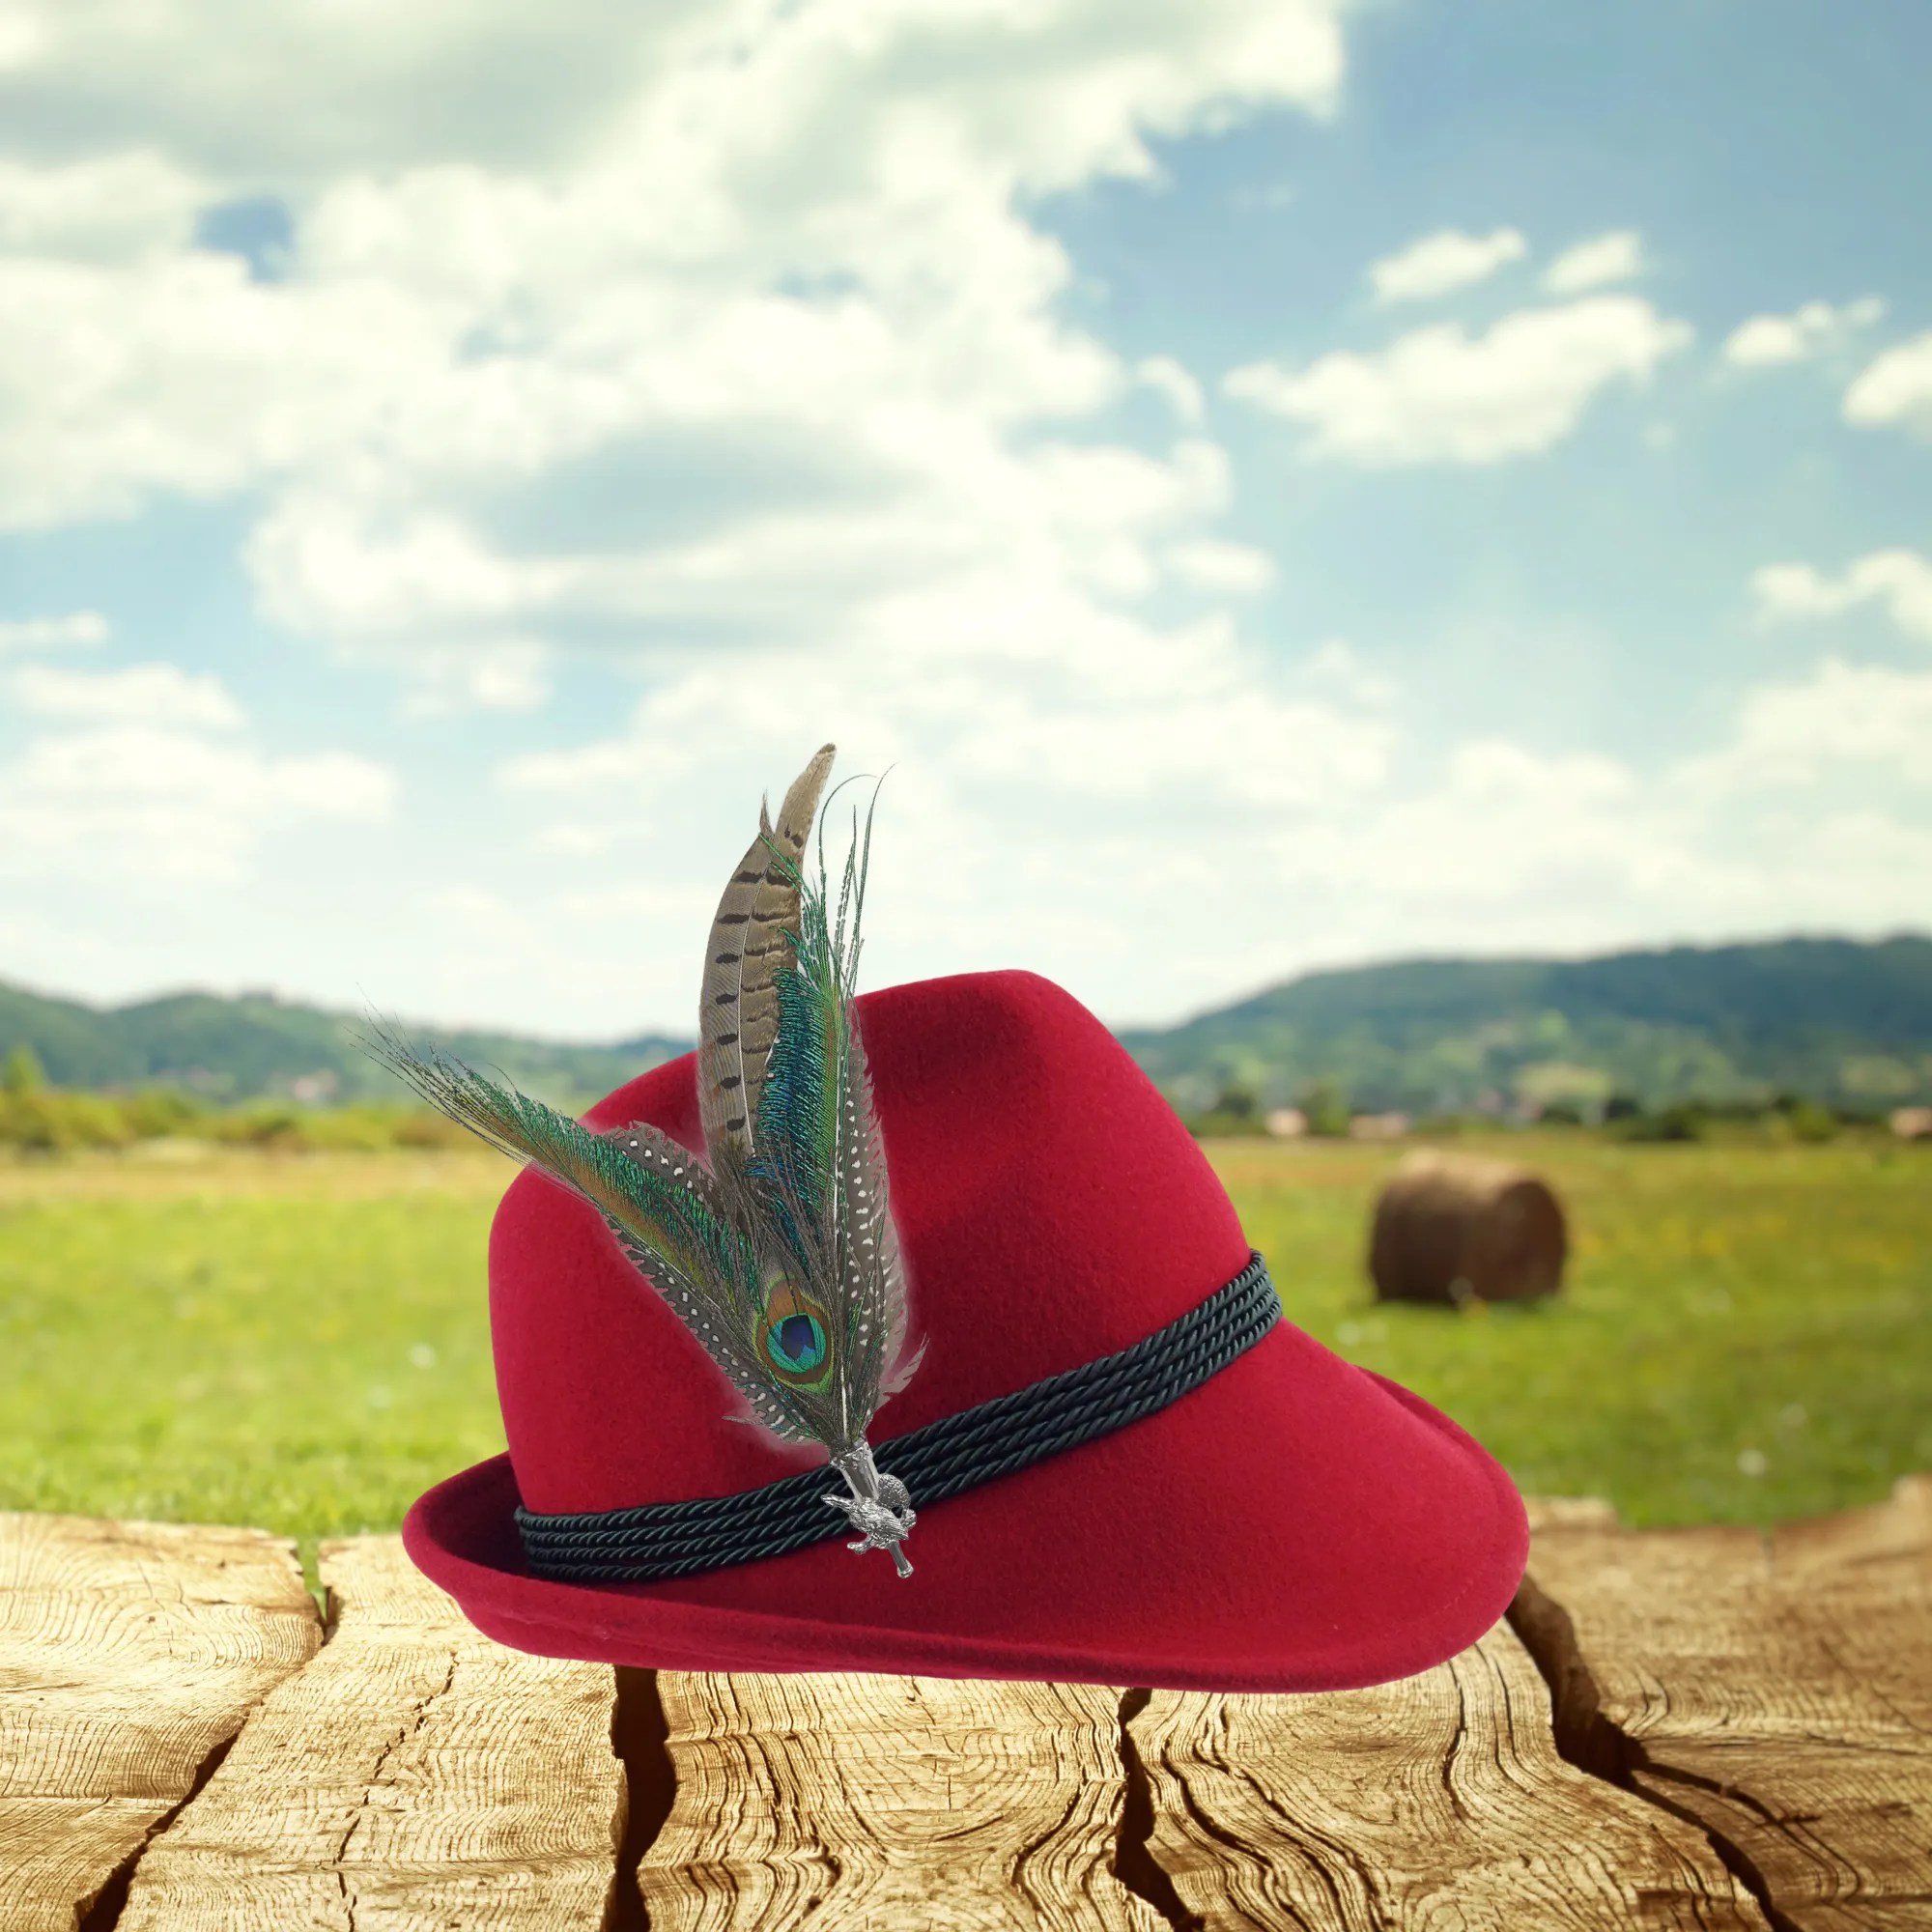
[881, 1802]
[129, 1654]
[414, 1776]
[1438, 1800]
[1777, 1690]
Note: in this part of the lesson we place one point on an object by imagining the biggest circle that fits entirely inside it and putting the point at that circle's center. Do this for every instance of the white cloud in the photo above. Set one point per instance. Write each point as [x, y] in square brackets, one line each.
[174, 374]
[1498, 844]
[1899, 580]
[812, 445]
[508, 674]
[149, 779]
[844, 323]
[115, 208]
[1336, 668]
[1214, 565]
[1809, 331]
[1442, 262]
[162, 696]
[1045, 747]
[150, 804]
[1841, 717]
[1441, 396]
[1615, 257]
[1089, 785]
[527, 89]
[519, 84]
[22, 40]
[963, 504]
[34, 634]
[1895, 388]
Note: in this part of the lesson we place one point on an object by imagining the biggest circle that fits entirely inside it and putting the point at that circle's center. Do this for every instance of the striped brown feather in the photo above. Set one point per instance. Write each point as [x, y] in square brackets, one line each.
[738, 1010]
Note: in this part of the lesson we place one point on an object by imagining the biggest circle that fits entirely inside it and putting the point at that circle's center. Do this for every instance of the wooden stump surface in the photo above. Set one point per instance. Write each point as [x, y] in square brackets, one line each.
[1436, 1801]
[1777, 1690]
[1741, 1738]
[890, 1802]
[414, 1776]
[131, 1653]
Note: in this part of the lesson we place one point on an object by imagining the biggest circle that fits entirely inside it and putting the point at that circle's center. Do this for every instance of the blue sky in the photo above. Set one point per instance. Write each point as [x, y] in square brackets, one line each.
[1280, 484]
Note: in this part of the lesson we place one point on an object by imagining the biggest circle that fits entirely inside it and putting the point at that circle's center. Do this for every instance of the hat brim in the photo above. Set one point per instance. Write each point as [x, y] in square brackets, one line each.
[1277, 1557]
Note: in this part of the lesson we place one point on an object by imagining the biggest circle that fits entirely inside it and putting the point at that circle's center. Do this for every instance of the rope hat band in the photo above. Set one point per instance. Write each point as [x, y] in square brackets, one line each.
[655, 1541]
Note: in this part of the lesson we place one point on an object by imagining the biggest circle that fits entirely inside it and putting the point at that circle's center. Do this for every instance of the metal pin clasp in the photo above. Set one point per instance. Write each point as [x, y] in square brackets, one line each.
[879, 1507]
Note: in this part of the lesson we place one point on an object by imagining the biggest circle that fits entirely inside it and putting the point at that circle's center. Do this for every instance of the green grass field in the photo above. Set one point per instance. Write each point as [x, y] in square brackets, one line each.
[1745, 1332]
[301, 1342]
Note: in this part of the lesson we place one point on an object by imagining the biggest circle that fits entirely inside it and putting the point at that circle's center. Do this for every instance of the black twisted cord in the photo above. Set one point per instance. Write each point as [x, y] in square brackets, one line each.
[958, 1452]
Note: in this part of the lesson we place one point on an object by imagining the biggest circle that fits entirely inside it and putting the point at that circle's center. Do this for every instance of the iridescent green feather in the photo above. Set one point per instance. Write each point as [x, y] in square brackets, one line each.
[664, 1207]
[817, 1168]
[793, 1162]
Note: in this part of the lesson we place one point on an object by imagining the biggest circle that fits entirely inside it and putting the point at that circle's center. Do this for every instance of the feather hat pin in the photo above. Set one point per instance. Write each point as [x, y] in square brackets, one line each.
[778, 1253]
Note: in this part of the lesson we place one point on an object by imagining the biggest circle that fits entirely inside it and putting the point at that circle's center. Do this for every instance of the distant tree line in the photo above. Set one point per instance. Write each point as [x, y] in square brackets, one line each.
[1323, 1110]
[36, 1118]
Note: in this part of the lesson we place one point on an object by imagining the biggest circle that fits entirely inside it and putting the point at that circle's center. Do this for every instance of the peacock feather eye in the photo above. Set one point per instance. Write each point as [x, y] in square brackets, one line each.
[797, 1338]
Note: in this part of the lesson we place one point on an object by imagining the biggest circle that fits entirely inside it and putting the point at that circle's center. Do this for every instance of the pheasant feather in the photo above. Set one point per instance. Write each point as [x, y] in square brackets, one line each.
[737, 1017]
[779, 1255]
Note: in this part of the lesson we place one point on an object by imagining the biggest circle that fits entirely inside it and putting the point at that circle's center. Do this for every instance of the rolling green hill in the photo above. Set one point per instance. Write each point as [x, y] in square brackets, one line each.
[1841, 1021]
[233, 1049]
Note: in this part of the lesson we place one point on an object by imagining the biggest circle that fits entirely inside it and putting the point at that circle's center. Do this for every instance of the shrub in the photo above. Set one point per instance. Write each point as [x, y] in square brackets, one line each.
[43, 1120]
[1681, 1120]
[34, 1121]
[276, 1129]
[23, 1074]
[94, 1121]
[1327, 1109]
[365, 1130]
[424, 1128]
[1809, 1122]
[156, 1112]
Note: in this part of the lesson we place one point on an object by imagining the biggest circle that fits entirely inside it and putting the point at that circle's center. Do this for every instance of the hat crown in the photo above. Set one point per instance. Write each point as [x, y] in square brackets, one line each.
[1050, 1206]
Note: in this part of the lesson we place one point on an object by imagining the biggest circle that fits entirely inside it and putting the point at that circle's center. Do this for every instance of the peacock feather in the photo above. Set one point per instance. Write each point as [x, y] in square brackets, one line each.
[778, 1251]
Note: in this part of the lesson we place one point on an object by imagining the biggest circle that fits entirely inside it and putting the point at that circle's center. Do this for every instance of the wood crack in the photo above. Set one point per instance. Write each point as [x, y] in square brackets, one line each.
[1134, 1864]
[1587, 1738]
[105, 1913]
[1737, 1860]
[410, 1727]
[413, 1774]
[1458, 1742]
[639, 1739]
[131, 1654]
[1775, 1692]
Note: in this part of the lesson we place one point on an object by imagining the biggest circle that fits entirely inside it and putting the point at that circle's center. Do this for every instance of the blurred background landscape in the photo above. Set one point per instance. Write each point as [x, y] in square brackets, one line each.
[242, 1279]
[1810, 1032]
[1382, 546]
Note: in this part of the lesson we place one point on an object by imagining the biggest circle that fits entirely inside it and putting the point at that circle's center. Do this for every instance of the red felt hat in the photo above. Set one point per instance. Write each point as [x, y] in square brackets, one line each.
[1292, 1524]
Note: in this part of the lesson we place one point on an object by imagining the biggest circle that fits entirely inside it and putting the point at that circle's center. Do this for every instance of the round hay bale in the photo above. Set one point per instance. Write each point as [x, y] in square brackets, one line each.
[1452, 1228]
